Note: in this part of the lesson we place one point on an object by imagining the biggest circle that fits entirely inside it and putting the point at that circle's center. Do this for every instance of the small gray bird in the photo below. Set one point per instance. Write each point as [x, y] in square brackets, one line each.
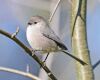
[41, 37]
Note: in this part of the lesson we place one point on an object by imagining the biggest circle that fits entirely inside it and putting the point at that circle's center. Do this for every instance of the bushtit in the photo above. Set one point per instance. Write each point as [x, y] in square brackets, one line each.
[41, 37]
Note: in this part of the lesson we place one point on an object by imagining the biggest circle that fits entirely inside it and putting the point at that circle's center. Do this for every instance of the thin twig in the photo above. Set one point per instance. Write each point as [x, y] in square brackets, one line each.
[29, 75]
[15, 33]
[96, 64]
[55, 9]
[30, 52]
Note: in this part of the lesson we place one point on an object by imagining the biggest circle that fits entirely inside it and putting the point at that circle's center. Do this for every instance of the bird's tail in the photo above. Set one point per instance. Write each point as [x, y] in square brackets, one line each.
[74, 57]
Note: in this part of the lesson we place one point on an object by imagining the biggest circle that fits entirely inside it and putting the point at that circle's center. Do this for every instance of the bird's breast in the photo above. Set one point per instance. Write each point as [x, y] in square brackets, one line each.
[40, 42]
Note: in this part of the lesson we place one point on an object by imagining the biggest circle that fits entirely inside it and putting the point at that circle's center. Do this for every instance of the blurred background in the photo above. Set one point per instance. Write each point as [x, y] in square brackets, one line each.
[14, 13]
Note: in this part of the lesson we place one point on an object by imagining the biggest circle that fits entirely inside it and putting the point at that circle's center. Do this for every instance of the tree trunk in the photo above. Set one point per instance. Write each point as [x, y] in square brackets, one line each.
[79, 39]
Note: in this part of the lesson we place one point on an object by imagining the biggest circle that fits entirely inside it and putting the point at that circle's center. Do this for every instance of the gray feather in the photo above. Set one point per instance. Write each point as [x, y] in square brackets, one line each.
[51, 35]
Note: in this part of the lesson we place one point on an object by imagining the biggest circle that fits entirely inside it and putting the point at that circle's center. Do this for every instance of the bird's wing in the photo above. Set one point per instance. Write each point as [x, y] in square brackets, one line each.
[49, 33]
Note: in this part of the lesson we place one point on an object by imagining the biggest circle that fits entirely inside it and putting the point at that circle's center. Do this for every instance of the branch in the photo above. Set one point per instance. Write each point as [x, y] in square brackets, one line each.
[29, 75]
[55, 9]
[15, 33]
[96, 64]
[78, 14]
[30, 52]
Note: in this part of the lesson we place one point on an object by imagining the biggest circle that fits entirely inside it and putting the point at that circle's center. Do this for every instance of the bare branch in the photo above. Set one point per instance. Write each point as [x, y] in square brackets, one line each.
[78, 14]
[55, 9]
[29, 75]
[96, 64]
[30, 52]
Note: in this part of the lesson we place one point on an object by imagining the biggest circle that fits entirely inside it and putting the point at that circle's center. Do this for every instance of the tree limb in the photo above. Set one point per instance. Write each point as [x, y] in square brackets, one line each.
[26, 74]
[30, 52]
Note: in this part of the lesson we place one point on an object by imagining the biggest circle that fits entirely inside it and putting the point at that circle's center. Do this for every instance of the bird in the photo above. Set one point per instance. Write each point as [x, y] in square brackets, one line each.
[42, 38]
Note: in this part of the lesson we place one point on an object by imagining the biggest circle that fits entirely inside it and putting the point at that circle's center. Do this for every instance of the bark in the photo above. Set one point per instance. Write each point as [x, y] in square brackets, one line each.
[79, 39]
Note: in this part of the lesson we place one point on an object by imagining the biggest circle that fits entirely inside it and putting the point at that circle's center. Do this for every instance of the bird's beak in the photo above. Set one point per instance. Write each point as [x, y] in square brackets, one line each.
[29, 23]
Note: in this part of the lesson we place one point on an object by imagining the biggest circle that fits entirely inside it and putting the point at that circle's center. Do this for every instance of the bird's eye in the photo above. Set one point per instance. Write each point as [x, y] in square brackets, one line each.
[35, 22]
